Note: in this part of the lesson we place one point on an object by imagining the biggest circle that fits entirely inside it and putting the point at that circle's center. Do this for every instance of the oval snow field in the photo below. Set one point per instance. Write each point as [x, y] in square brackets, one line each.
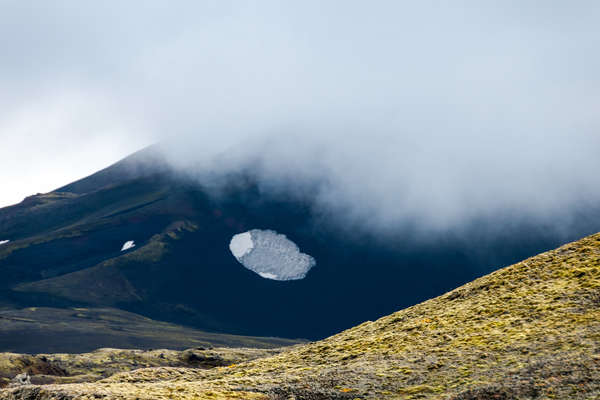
[271, 255]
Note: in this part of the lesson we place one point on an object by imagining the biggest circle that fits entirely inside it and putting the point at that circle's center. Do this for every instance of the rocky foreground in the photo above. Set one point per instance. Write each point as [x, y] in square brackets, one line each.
[42, 369]
[528, 331]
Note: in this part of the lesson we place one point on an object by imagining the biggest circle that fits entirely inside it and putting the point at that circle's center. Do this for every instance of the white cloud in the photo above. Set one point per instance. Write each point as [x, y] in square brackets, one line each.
[60, 137]
[429, 110]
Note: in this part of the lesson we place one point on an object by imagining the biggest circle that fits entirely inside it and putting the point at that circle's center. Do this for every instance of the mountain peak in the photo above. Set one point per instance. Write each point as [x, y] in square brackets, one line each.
[147, 161]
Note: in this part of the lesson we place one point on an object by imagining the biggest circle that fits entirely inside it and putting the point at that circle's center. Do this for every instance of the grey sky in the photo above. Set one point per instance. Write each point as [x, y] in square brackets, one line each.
[440, 110]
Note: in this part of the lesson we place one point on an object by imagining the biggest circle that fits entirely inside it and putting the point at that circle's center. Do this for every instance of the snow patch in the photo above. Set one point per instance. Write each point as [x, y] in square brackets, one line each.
[271, 255]
[268, 275]
[4, 241]
[128, 245]
[241, 244]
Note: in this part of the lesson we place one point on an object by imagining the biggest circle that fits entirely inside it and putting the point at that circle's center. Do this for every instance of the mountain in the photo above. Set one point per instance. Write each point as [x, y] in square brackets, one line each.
[527, 331]
[65, 251]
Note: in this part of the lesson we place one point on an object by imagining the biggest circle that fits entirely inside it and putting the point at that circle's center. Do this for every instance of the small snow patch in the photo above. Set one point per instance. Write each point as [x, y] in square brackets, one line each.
[271, 255]
[268, 275]
[4, 241]
[128, 245]
[241, 244]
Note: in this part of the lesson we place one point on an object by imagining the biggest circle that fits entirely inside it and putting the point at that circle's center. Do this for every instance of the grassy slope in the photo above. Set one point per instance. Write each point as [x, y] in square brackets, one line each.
[531, 330]
[104, 283]
[89, 367]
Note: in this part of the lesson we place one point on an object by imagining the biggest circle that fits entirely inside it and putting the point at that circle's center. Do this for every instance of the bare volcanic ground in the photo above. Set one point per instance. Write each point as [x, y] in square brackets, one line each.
[58, 330]
[528, 331]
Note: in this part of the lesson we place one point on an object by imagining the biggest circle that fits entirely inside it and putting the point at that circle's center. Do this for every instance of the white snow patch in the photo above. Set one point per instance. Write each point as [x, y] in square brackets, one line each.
[128, 245]
[241, 244]
[4, 241]
[268, 275]
[270, 255]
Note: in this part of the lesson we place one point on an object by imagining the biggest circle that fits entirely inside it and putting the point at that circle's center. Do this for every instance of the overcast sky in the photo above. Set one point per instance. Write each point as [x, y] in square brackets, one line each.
[430, 108]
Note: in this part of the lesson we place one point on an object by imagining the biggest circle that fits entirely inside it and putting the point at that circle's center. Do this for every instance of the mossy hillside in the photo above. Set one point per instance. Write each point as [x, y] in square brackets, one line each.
[72, 244]
[105, 283]
[57, 214]
[531, 330]
[89, 367]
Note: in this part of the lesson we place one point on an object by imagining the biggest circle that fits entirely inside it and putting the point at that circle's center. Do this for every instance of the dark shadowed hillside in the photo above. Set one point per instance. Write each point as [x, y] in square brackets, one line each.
[65, 251]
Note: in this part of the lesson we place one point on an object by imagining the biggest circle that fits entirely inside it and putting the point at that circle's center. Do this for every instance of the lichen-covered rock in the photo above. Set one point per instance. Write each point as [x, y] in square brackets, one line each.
[20, 380]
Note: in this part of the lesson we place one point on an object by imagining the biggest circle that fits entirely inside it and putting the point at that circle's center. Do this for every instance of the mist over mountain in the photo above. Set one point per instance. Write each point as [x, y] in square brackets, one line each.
[299, 200]
[68, 248]
[407, 148]
[425, 114]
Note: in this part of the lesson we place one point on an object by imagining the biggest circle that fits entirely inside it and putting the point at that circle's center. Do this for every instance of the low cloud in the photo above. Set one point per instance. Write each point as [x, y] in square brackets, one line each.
[428, 112]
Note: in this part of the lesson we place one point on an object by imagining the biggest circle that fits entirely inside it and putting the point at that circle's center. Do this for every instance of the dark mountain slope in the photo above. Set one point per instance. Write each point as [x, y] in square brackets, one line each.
[528, 331]
[44, 329]
[65, 251]
[144, 163]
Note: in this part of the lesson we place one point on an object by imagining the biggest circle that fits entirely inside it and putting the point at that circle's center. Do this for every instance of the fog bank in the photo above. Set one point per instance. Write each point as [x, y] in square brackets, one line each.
[428, 112]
